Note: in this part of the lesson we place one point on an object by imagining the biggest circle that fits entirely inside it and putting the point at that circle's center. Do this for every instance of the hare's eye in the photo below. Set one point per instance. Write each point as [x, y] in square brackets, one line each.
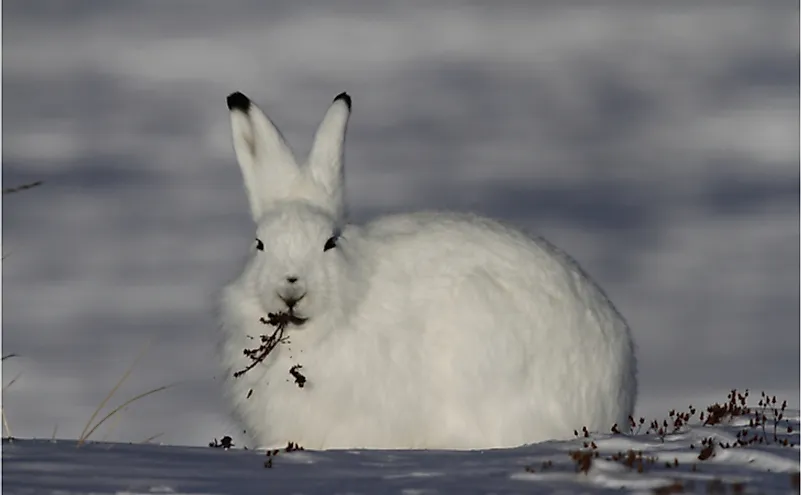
[259, 245]
[331, 243]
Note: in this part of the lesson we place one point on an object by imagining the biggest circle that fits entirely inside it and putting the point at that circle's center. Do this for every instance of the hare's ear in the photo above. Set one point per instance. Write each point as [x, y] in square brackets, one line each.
[326, 158]
[267, 162]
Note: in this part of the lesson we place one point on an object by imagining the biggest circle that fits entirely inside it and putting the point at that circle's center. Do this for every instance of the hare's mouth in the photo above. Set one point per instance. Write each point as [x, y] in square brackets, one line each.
[295, 319]
[289, 314]
[283, 319]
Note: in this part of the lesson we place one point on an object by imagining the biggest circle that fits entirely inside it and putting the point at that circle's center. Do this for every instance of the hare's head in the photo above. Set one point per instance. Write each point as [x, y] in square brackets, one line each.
[296, 264]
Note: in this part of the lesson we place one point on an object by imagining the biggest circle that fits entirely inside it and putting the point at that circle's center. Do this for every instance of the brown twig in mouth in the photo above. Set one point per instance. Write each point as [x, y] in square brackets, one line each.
[269, 342]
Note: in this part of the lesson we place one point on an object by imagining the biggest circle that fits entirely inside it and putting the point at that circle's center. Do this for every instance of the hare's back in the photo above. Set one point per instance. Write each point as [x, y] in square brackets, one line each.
[438, 256]
[425, 244]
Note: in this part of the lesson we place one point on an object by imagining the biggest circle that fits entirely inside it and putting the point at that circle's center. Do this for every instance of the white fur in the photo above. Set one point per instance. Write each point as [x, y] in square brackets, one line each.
[425, 330]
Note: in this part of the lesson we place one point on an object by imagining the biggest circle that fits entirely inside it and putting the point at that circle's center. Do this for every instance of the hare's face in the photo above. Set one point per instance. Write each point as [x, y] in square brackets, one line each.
[295, 262]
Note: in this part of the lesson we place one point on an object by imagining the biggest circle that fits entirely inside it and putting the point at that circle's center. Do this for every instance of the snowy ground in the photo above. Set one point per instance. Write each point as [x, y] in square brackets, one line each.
[640, 463]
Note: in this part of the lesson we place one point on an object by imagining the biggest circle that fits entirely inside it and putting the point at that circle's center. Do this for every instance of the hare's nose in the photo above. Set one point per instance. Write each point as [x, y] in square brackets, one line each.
[292, 279]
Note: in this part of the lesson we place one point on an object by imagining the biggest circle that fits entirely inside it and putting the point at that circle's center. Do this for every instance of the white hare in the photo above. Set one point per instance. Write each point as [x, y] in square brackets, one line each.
[425, 330]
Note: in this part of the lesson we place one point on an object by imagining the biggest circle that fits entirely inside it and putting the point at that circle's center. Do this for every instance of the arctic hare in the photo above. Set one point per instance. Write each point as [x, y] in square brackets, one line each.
[424, 330]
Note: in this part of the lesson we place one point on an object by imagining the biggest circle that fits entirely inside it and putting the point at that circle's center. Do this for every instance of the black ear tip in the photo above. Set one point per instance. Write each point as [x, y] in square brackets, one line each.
[238, 101]
[344, 97]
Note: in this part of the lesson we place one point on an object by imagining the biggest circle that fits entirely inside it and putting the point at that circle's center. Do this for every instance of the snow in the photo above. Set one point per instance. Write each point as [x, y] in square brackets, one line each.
[43, 466]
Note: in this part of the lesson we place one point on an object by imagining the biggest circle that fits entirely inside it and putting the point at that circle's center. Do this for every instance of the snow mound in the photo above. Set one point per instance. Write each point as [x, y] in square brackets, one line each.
[756, 452]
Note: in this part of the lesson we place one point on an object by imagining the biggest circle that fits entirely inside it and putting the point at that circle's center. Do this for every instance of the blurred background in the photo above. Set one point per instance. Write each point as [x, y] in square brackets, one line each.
[658, 144]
